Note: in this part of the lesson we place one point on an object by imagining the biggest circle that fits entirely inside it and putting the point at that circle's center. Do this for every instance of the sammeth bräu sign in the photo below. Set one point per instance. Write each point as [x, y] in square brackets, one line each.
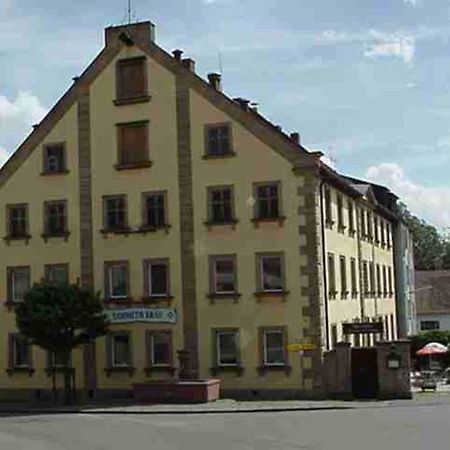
[162, 315]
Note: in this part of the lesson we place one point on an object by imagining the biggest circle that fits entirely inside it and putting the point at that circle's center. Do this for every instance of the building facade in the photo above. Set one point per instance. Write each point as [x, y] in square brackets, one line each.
[204, 226]
[433, 300]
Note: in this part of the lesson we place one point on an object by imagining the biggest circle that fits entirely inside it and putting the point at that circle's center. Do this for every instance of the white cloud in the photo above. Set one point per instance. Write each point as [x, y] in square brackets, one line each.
[430, 203]
[412, 2]
[16, 118]
[394, 45]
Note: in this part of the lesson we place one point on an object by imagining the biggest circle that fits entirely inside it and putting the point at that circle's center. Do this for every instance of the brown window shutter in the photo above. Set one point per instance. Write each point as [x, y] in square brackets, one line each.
[148, 347]
[11, 338]
[108, 351]
[133, 144]
[9, 285]
[131, 81]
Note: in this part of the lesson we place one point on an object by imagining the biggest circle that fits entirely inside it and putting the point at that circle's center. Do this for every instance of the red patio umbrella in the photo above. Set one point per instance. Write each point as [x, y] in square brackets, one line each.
[433, 348]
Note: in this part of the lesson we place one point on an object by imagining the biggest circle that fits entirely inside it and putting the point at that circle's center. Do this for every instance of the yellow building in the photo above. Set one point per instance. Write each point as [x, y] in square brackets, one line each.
[205, 227]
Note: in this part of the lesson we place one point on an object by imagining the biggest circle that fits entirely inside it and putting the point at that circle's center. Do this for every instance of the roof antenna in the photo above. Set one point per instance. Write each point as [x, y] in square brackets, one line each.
[220, 63]
[130, 7]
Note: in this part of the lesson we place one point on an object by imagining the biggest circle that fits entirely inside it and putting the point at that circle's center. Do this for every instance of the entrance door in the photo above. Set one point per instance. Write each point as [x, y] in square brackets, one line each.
[364, 373]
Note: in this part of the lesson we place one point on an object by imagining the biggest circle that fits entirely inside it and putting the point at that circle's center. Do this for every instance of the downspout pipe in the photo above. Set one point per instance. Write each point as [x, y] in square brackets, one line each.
[324, 265]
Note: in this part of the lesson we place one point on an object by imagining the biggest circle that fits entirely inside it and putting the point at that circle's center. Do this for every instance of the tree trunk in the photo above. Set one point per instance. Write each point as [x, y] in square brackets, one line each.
[67, 379]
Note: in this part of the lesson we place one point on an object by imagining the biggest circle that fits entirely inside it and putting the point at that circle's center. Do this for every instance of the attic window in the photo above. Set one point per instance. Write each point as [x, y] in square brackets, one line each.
[54, 159]
[131, 85]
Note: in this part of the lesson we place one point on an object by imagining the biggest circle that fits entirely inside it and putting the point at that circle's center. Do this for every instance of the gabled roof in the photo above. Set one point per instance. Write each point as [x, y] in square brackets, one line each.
[132, 34]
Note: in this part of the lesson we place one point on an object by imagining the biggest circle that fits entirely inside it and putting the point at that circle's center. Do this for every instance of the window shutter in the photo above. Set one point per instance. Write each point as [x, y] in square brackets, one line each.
[238, 347]
[11, 338]
[133, 144]
[108, 351]
[130, 349]
[9, 285]
[215, 354]
[148, 347]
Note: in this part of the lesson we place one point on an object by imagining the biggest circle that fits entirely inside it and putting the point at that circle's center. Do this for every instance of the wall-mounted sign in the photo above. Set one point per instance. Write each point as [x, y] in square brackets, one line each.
[130, 315]
[300, 347]
[362, 327]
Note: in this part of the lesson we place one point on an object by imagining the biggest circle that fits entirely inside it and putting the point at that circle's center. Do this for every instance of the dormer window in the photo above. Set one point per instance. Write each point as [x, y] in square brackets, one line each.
[54, 159]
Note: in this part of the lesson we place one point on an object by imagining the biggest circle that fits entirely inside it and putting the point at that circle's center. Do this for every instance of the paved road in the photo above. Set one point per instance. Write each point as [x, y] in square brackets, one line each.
[416, 426]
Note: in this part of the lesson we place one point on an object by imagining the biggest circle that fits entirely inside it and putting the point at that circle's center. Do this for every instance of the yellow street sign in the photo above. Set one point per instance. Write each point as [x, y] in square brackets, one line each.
[300, 347]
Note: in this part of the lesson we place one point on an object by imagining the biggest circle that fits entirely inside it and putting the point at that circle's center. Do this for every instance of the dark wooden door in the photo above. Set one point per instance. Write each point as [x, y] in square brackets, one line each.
[364, 373]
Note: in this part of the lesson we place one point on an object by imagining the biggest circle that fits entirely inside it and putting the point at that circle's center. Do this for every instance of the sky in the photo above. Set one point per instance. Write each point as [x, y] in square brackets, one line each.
[367, 82]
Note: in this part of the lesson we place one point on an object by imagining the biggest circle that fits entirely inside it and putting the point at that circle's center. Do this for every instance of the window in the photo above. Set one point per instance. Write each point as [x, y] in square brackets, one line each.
[116, 280]
[131, 78]
[383, 241]
[274, 353]
[429, 325]
[267, 204]
[343, 273]
[369, 225]
[133, 144]
[363, 223]
[385, 291]
[375, 226]
[328, 211]
[57, 360]
[54, 158]
[18, 283]
[379, 292]
[57, 273]
[388, 235]
[19, 352]
[218, 140]
[340, 211]
[365, 279]
[227, 348]
[271, 271]
[115, 212]
[55, 213]
[351, 218]
[154, 210]
[372, 279]
[220, 204]
[334, 335]
[393, 333]
[353, 277]
[120, 350]
[223, 274]
[391, 291]
[17, 221]
[331, 276]
[159, 348]
[157, 277]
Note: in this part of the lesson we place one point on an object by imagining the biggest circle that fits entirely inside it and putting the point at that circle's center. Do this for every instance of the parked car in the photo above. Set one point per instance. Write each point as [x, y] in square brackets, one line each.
[428, 380]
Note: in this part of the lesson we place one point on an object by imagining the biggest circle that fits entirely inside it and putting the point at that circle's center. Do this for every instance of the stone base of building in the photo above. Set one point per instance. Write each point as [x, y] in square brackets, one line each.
[197, 391]
[271, 394]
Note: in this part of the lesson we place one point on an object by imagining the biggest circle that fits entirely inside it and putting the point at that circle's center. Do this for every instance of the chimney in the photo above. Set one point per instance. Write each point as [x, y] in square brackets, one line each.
[278, 127]
[177, 54]
[189, 64]
[296, 138]
[141, 32]
[243, 102]
[215, 81]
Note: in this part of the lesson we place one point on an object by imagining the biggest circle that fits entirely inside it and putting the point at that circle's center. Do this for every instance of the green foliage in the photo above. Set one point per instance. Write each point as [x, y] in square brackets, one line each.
[431, 247]
[60, 317]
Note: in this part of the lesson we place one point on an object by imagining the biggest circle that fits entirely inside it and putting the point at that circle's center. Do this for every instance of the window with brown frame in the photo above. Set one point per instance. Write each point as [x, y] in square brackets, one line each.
[343, 273]
[271, 273]
[223, 278]
[379, 292]
[340, 213]
[157, 280]
[220, 205]
[353, 277]
[351, 218]
[133, 145]
[154, 210]
[119, 350]
[54, 158]
[227, 348]
[57, 273]
[273, 347]
[218, 140]
[331, 276]
[115, 212]
[159, 348]
[365, 279]
[17, 221]
[55, 216]
[385, 291]
[19, 353]
[116, 280]
[131, 78]
[18, 282]
[267, 200]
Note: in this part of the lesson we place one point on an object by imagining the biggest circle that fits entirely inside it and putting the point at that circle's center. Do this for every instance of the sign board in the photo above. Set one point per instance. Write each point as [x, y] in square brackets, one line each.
[362, 327]
[150, 315]
[300, 347]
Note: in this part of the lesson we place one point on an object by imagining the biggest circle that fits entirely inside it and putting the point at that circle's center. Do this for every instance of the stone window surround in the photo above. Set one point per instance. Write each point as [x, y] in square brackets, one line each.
[209, 191]
[9, 236]
[213, 294]
[151, 367]
[217, 366]
[260, 292]
[63, 170]
[263, 367]
[121, 99]
[206, 128]
[107, 281]
[147, 263]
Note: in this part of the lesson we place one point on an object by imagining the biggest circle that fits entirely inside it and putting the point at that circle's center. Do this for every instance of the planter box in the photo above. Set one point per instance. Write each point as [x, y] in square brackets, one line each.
[177, 391]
